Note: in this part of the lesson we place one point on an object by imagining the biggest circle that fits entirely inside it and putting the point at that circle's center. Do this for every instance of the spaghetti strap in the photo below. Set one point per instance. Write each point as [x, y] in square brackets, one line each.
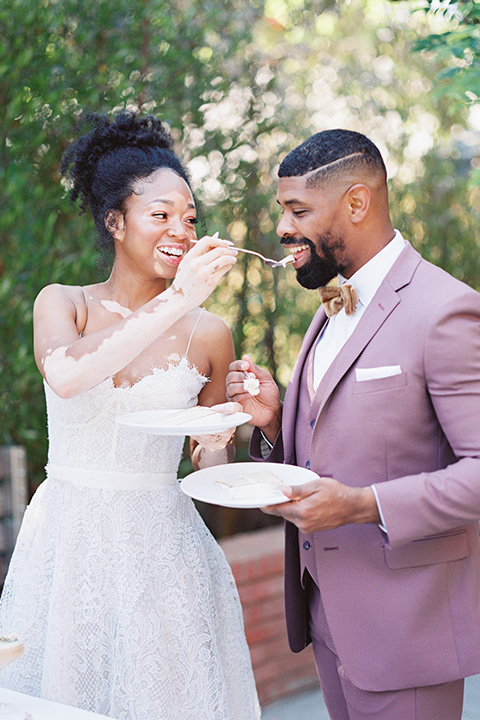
[193, 331]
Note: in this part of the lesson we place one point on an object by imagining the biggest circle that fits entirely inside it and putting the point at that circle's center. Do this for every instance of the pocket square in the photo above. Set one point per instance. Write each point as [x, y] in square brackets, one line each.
[376, 373]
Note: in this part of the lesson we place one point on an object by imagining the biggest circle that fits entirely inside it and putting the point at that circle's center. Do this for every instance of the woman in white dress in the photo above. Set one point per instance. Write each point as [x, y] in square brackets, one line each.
[126, 604]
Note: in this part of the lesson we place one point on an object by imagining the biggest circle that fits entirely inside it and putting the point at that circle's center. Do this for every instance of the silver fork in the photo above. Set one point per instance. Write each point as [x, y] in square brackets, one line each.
[268, 261]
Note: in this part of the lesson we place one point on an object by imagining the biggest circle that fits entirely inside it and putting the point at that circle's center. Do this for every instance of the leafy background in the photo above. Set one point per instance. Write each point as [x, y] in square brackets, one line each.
[239, 82]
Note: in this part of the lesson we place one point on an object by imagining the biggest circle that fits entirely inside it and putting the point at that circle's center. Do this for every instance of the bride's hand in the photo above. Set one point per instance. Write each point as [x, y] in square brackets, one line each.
[220, 440]
[202, 268]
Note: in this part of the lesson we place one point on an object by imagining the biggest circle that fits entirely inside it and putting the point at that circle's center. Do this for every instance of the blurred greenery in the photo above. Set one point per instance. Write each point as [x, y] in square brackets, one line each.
[458, 47]
[239, 82]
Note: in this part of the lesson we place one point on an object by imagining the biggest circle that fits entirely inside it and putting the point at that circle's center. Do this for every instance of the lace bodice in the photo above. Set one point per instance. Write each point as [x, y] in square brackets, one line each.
[84, 434]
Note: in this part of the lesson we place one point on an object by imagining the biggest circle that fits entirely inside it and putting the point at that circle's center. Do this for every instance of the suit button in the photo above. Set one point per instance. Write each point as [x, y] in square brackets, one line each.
[306, 545]
[312, 423]
[307, 464]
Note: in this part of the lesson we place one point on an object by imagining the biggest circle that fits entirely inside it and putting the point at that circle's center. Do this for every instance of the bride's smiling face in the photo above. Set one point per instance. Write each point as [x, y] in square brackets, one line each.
[158, 225]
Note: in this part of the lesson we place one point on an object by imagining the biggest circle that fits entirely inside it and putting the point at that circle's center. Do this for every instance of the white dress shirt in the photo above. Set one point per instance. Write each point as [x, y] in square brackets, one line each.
[339, 327]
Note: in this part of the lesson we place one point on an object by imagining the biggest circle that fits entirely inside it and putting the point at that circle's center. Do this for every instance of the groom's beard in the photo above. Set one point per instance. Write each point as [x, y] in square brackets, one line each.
[318, 271]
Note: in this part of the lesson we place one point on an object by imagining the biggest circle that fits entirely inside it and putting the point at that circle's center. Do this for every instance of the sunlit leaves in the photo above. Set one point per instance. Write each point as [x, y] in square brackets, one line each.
[459, 46]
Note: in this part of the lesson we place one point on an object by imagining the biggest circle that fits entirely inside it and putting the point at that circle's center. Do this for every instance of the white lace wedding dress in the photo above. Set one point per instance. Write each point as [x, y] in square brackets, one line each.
[126, 604]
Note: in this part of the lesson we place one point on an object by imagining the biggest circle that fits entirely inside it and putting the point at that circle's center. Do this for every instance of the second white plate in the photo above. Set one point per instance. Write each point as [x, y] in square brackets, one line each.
[202, 485]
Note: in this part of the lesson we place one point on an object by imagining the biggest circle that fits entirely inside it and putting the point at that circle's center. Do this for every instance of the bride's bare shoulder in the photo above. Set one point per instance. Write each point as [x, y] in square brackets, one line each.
[69, 299]
[214, 336]
[214, 324]
[56, 292]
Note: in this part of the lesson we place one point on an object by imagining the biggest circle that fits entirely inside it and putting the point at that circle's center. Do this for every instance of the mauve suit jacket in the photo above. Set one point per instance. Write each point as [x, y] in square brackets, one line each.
[403, 609]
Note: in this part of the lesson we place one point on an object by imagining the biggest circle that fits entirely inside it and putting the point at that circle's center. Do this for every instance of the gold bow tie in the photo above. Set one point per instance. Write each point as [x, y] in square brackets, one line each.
[335, 298]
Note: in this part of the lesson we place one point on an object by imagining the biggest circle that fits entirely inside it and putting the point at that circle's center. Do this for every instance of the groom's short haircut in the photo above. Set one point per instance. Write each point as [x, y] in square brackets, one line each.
[332, 153]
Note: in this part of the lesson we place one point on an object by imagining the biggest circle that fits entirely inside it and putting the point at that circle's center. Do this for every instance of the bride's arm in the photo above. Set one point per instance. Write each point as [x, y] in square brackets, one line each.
[72, 365]
[216, 341]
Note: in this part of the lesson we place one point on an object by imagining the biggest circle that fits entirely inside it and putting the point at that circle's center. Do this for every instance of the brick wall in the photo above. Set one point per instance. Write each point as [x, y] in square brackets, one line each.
[256, 559]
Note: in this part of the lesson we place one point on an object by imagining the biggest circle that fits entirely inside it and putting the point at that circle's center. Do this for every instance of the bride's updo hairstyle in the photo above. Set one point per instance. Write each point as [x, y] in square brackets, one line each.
[109, 156]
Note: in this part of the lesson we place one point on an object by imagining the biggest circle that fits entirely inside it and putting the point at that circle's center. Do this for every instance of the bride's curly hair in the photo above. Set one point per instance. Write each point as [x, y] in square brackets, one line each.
[109, 156]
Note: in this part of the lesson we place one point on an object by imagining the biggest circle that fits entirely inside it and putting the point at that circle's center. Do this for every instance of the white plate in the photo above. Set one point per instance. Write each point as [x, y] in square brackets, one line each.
[155, 422]
[201, 485]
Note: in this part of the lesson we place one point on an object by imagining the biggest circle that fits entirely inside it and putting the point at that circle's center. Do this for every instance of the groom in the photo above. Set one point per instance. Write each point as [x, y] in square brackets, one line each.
[382, 550]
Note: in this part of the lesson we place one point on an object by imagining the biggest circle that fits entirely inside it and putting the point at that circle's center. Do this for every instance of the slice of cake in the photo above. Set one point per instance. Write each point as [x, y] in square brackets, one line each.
[251, 486]
[251, 384]
[183, 417]
[10, 649]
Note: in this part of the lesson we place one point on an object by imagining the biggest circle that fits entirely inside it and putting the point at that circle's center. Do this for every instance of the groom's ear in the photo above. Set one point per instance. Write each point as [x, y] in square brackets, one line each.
[115, 224]
[358, 198]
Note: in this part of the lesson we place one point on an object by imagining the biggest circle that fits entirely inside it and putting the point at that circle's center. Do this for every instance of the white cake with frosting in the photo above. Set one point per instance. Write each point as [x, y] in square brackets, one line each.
[251, 384]
[11, 647]
[250, 486]
[193, 414]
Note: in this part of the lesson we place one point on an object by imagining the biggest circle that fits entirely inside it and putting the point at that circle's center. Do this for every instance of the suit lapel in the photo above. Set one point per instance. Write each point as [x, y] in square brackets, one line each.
[381, 306]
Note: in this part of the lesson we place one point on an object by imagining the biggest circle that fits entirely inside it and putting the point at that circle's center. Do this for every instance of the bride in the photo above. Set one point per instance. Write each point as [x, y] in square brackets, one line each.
[126, 604]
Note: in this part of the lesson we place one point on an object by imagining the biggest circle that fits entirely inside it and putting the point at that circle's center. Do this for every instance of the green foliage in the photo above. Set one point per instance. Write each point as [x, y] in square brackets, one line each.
[240, 82]
[459, 48]
[434, 215]
[58, 57]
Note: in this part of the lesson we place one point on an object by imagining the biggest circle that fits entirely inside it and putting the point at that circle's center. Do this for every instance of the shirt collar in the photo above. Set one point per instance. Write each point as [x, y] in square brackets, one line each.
[370, 276]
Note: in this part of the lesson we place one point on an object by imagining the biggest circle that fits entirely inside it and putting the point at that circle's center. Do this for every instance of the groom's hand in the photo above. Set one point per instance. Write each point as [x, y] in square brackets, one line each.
[325, 504]
[265, 407]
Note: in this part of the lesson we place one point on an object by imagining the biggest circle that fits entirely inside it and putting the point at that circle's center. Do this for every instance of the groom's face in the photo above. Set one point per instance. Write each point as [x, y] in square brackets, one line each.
[310, 228]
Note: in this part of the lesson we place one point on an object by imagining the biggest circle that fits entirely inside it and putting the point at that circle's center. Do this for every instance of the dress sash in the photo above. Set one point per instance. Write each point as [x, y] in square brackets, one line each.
[111, 479]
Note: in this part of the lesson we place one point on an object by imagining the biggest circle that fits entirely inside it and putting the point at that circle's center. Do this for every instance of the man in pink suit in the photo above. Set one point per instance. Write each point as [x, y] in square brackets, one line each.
[382, 550]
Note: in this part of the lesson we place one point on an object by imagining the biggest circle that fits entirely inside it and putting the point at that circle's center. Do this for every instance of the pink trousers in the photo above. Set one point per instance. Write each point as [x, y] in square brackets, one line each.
[344, 701]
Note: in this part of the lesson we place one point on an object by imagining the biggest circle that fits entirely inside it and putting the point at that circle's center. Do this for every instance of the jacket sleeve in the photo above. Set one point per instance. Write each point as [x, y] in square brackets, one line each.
[431, 503]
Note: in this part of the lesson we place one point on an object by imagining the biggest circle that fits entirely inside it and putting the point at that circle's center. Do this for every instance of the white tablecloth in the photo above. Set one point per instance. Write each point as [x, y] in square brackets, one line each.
[42, 709]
